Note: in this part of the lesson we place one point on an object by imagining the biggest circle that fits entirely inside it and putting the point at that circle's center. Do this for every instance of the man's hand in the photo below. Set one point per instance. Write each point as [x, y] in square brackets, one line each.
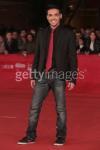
[32, 83]
[70, 86]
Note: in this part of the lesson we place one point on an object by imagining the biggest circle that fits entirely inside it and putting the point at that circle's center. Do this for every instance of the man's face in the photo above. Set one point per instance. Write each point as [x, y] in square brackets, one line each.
[9, 35]
[54, 16]
[92, 36]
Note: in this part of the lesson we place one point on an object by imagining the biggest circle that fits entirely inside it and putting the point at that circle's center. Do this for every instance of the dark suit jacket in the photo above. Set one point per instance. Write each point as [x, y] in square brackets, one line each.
[96, 46]
[12, 47]
[64, 50]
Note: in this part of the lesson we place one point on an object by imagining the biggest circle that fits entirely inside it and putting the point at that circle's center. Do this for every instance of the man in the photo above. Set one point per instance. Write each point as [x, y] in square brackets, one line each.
[55, 53]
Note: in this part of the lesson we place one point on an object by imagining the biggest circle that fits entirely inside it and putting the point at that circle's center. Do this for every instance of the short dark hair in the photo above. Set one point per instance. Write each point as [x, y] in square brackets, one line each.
[53, 6]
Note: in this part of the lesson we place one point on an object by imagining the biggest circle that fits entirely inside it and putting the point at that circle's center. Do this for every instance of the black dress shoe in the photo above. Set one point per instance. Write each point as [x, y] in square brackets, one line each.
[26, 140]
[59, 141]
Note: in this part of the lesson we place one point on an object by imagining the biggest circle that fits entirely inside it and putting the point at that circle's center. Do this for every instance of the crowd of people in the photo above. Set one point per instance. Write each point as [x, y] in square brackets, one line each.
[23, 42]
[88, 41]
[17, 42]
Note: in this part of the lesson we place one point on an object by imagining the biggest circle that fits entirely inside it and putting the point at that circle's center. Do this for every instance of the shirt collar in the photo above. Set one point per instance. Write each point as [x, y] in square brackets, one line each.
[56, 29]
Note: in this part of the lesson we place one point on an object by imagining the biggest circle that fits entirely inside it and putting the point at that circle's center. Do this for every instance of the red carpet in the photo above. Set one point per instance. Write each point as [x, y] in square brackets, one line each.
[83, 105]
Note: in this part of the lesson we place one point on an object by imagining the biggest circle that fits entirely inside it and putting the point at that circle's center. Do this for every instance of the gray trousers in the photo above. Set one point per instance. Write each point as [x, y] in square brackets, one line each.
[40, 92]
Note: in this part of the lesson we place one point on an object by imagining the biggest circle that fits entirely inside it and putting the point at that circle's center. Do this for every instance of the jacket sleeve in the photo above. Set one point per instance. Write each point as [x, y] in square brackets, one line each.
[72, 57]
[37, 55]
